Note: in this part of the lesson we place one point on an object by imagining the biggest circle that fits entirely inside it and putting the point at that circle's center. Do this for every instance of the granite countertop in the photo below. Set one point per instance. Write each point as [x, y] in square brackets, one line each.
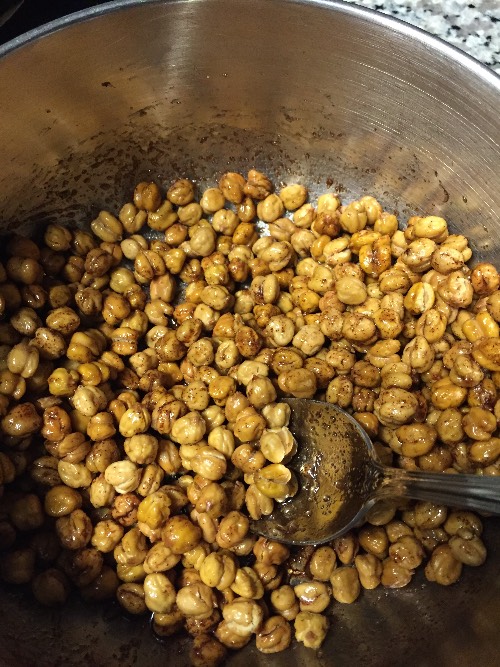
[472, 25]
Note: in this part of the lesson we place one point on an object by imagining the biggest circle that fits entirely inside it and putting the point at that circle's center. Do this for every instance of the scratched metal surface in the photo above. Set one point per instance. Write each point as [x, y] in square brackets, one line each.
[315, 91]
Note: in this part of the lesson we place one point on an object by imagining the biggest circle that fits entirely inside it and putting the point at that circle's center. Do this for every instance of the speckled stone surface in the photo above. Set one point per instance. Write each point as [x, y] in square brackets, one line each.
[472, 25]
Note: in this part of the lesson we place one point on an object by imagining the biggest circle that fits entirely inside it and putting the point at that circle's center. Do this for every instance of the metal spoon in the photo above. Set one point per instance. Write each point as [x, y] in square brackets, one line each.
[340, 479]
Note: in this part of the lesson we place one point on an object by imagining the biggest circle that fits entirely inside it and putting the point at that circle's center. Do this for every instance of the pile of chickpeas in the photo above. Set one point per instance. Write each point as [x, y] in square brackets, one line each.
[142, 367]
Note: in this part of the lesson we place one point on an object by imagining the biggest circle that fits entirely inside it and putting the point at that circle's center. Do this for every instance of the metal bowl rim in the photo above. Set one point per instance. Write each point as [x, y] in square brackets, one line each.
[432, 42]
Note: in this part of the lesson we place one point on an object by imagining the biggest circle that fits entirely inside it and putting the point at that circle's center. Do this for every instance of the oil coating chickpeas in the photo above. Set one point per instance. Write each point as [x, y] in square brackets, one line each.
[157, 425]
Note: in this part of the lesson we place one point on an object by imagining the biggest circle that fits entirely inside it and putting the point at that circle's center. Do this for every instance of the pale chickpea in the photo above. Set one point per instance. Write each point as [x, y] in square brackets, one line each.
[243, 616]
[209, 462]
[141, 448]
[196, 600]
[247, 584]
[134, 420]
[312, 596]
[123, 476]
[159, 593]
[89, 400]
[310, 628]
[212, 200]
[293, 196]
[189, 429]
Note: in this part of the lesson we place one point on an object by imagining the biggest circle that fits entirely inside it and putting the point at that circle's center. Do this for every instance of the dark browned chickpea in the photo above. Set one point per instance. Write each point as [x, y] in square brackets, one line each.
[51, 587]
[147, 196]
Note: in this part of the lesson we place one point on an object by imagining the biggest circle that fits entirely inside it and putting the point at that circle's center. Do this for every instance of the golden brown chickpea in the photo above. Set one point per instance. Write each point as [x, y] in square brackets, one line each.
[276, 481]
[346, 547]
[395, 575]
[443, 567]
[484, 279]
[103, 587]
[369, 569]
[429, 515]
[274, 636]
[322, 563]
[147, 196]
[300, 383]
[22, 420]
[469, 550]
[345, 584]
[233, 528]
[132, 549]
[61, 500]
[285, 603]
[180, 534]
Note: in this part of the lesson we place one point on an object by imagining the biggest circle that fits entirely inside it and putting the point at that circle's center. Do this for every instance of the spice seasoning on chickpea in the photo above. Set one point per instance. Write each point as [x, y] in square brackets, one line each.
[149, 415]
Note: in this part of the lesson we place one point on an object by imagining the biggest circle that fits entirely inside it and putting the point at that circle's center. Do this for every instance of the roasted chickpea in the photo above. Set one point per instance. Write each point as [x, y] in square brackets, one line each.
[311, 628]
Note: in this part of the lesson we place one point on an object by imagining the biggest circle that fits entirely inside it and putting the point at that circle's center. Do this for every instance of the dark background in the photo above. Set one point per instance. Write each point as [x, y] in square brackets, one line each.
[34, 13]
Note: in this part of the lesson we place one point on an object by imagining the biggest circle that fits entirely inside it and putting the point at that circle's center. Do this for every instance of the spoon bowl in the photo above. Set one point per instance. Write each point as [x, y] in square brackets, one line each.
[340, 479]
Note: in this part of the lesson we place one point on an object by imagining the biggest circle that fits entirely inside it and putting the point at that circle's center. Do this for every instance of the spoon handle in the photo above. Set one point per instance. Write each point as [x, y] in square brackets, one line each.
[473, 492]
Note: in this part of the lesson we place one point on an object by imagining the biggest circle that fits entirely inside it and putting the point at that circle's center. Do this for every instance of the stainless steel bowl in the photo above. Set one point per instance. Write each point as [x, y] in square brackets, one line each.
[331, 94]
